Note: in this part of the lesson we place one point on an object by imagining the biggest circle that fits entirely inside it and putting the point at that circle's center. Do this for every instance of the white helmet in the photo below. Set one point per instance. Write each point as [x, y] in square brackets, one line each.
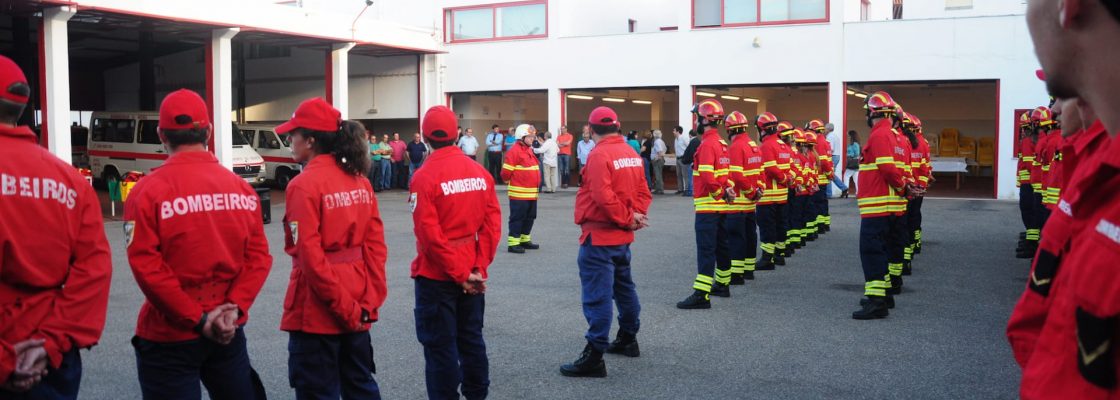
[522, 131]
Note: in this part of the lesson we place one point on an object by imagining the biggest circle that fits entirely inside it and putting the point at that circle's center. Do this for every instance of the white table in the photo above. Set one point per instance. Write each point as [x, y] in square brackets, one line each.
[952, 165]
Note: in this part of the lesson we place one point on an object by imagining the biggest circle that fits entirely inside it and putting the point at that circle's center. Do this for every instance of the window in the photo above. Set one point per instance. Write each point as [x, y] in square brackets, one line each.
[148, 132]
[714, 13]
[958, 4]
[526, 19]
[239, 139]
[114, 130]
[265, 139]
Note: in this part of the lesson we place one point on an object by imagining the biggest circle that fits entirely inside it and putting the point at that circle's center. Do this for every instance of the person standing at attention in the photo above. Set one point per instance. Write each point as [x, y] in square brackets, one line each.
[611, 206]
[564, 157]
[458, 224]
[469, 144]
[333, 232]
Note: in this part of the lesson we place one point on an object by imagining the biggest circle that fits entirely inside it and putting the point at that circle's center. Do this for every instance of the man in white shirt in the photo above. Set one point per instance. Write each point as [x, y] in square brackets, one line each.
[469, 144]
[684, 171]
[657, 156]
[583, 149]
[548, 151]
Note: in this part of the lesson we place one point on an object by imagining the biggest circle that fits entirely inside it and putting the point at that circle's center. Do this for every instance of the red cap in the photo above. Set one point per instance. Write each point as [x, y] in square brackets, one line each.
[314, 114]
[183, 109]
[603, 116]
[1040, 74]
[438, 124]
[13, 85]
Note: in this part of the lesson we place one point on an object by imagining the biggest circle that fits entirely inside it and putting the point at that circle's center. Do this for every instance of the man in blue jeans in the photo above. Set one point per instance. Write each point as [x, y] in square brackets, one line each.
[416, 151]
[836, 157]
[611, 204]
[386, 171]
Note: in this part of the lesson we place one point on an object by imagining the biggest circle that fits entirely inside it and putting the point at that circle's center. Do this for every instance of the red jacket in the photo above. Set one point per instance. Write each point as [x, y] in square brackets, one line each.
[1051, 168]
[522, 172]
[881, 179]
[1044, 154]
[746, 171]
[334, 234]
[710, 169]
[776, 159]
[197, 243]
[1034, 304]
[614, 188]
[804, 173]
[1075, 355]
[54, 259]
[1026, 159]
[1035, 166]
[919, 162]
[455, 215]
[824, 155]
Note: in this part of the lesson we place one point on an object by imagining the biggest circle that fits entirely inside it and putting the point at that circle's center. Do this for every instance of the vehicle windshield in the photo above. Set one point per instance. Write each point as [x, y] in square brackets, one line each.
[287, 139]
[239, 139]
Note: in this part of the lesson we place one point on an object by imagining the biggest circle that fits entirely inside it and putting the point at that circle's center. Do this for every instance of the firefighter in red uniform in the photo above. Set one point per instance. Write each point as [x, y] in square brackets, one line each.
[824, 176]
[746, 173]
[55, 267]
[910, 129]
[611, 205]
[1053, 179]
[787, 134]
[1029, 237]
[773, 206]
[458, 226]
[197, 249]
[804, 178]
[713, 194]
[337, 242]
[899, 236]
[1042, 119]
[881, 187]
[521, 169]
[923, 175]
[1034, 181]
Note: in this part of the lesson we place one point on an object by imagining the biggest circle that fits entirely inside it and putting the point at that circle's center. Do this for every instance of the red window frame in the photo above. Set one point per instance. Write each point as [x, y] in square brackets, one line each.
[758, 14]
[449, 21]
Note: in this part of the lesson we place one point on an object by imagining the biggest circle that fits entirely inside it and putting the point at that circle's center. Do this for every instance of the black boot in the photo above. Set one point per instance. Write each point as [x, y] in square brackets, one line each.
[778, 260]
[766, 263]
[844, 194]
[896, 285]
[873, 308]
[889, 301]
[737, 279]
[721, 290]
[827, 228]
[1027, 251]
[695, 301]
[749, 275]
[589, 365]
[530, 246]
[625, 343]
[812, 237]
[906, 269]
[516, 250]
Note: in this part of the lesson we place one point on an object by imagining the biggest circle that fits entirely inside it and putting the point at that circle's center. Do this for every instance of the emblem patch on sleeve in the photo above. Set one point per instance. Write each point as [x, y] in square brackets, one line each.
[293, 231]
[412, 203]
[129, 228]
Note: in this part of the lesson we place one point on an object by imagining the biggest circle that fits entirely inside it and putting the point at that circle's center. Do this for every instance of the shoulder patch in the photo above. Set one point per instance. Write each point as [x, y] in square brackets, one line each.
[129, 228]
[293, 231]
[412, 202]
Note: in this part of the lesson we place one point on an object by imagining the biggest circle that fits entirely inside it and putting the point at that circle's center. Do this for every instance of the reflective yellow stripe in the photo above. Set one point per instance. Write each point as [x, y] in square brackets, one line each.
[706, 168]
[508, 167]
[884, 160]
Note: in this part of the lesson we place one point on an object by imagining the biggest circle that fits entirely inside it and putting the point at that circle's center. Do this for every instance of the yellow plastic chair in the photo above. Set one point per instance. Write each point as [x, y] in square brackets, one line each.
[966, 147]
[949, 146]
[986, 154]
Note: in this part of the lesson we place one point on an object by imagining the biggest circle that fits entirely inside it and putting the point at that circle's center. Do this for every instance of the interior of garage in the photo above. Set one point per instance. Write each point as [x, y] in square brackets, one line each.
[959, 119]
[796, 103]
[640, 109]
[481, 110]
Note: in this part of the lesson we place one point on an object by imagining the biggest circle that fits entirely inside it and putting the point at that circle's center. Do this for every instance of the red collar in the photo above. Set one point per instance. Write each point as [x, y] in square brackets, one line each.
[191, 157]
[445, 152]
[18, 132]
[711, 133]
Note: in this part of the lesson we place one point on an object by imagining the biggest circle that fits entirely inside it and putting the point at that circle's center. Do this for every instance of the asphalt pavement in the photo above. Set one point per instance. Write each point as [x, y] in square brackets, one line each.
[786, 335]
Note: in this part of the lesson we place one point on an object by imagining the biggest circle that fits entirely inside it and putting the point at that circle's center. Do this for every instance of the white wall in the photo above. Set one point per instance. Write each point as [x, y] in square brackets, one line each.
[276, 86]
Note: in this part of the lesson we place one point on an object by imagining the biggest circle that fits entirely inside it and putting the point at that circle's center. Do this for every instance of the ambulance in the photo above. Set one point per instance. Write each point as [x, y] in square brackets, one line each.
[120, 142]
[276, 151]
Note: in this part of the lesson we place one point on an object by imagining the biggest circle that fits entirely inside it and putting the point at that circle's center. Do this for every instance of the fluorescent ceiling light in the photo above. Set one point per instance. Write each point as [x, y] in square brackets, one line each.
[861, 95]
[727, 97]
[613, 100]
[751, 100]
[642, 102]
[579, 97]
[705, 94]
[850, 91]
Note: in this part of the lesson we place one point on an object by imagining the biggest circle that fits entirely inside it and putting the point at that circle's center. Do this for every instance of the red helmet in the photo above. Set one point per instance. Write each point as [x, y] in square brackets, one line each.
[810, 138]
[784, 128]
[711, 110]
[815, 125]
[1024, 121]
[910, 121]
[765, 120]
[736, 120]
[881, 104]
[1042, 117]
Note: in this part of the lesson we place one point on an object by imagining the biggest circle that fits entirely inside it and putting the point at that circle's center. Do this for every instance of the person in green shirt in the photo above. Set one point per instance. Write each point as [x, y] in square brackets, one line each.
[376, 152]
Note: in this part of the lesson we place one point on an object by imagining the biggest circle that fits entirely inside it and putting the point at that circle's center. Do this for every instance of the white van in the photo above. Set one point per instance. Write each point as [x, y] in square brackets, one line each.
[128, 141]
[276, 151]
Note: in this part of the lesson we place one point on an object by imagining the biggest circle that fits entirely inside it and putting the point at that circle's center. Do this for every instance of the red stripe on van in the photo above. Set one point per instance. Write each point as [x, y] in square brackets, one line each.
[279, 159]
[127, 154]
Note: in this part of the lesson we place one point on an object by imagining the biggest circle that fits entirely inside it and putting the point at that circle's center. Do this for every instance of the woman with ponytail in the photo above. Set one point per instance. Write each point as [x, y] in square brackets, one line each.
[334, 234]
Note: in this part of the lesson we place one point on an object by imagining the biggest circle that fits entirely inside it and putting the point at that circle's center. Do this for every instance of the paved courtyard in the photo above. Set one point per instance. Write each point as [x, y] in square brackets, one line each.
[787, 334]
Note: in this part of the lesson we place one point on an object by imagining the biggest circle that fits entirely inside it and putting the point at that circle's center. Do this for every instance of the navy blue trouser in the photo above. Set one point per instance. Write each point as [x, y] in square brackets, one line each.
[449, 325]
[173, 370]
[1041, 213]
[59, 384]
[1026, 205]
[322, 367]
[771, 226]
[821, 199]
[712, 248]
[604, 274]
[742, 240]
[873, 253]
[522, 213]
